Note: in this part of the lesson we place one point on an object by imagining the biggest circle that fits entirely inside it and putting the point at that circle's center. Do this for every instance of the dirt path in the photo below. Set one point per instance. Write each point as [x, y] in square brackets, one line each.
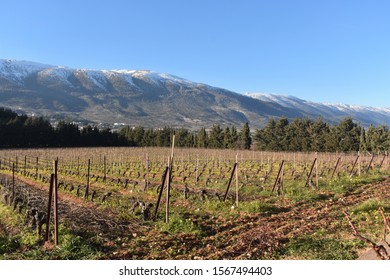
[76, 213]
[255, 236]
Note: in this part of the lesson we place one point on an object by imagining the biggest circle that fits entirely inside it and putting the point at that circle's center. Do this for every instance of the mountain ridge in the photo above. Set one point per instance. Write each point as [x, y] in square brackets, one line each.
[150, 99]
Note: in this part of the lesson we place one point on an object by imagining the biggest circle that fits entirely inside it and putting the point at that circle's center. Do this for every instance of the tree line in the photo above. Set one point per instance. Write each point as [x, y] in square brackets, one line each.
[306, 135]
[303, 135]
[18, 131]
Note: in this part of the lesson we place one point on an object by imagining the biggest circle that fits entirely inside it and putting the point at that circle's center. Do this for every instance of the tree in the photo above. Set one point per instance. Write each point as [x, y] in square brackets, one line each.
[68, 134]
[202, 138]
[363, 141]
[348, 135]
[265, 137]
[318, 131]
[227, 138]
[216, 137]
[233, 137]
[245, 137]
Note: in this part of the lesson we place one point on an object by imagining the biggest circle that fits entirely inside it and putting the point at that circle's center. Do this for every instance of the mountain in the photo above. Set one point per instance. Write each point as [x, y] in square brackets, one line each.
[330, 112]
[150, 99]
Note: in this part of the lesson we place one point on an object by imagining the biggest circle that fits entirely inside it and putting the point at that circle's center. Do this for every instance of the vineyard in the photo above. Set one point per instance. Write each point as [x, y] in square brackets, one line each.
[162, 203]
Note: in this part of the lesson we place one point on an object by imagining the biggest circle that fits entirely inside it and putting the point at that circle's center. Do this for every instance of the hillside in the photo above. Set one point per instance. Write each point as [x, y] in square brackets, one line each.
[150, 99]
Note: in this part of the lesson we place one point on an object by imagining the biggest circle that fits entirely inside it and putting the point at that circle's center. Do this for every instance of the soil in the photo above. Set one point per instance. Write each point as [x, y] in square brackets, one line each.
[247, 236]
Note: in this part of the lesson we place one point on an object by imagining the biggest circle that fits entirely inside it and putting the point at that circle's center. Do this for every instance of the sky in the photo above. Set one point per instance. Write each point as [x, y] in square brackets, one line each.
[335, 51]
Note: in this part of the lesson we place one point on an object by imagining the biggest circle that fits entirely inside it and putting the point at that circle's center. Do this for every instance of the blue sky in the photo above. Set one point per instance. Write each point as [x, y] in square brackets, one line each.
[333, 50]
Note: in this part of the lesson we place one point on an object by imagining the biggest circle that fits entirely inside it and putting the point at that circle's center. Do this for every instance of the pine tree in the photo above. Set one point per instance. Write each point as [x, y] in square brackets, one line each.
[202, 138]
[245, 137]
[216, 137]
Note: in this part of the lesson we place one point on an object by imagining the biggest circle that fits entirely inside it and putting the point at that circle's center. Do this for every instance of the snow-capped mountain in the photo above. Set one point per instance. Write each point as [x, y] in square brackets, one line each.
[331, 112]
[150, 99]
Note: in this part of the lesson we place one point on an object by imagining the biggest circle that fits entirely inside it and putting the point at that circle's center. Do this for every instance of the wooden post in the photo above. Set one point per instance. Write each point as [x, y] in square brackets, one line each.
[354, 164]
[197, 167]
[87, 187]
[55, 204]
[104, 169]
[36, 168]
[49, 207]
[161, 192]
[25, 165]
[230, 181]
[316, 170]
[278, 176]
[383, 160]
[13, 180]
[359, 164]
[168, 191]
[337, 165]
[369, 166]
[311, 171]
[237, 179]
[78, 166]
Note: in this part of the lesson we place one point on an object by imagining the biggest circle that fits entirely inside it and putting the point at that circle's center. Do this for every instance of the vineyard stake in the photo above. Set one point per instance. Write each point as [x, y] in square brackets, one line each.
[170, 168]
[230, 181]
[337, 165]
[168, 190]
[237, 179]
[78, 166]
[25, 165]
[311, 171]
[383, 160]
[197, 167]
[277, 177]
[87, 187]
[354, 164]
[104, 167]
[359, 164]
[13, 180]
[161, 192]
[369, 166]
[55, 204]
[36, 168]
[316, 170]
[49, 207]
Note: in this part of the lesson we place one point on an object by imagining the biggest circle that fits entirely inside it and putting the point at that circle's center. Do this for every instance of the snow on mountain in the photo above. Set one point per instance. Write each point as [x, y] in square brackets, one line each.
[284, 100]
[17, 71]
[154, 99]
[294, 102]
[55, 75]
[328, 111]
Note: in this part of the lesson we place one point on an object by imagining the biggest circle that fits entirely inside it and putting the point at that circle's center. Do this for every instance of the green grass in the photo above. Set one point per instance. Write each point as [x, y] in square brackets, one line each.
[24, 243]
[320, 248]
[178, 224]
[262, 207]
[371, 205]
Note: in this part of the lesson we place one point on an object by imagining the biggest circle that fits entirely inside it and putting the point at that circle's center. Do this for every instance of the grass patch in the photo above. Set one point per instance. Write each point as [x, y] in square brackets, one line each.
[26, 244]
[321, 248]
[178, 224]
[254, 207]
[371, 205]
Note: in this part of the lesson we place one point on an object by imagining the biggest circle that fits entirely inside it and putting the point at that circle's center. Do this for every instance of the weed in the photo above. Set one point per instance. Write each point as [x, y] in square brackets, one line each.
[321, 248]
[178, 224]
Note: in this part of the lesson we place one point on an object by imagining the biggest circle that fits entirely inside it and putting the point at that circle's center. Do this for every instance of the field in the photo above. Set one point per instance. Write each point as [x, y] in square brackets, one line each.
[126, 203]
